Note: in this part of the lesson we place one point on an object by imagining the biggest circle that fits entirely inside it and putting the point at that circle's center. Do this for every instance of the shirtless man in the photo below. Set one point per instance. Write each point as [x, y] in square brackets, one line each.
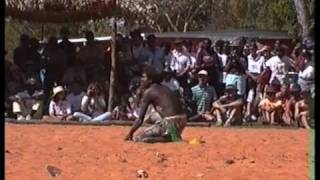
[166, 104]
[228, 108]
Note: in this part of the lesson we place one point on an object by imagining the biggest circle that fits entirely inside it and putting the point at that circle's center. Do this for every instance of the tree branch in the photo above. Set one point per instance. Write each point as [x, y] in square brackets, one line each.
[170, 22]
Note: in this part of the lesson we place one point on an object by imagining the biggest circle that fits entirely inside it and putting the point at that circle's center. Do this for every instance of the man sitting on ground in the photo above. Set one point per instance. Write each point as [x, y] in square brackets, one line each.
[270, 107]
[28, 103]
[302, 110]
[168, 106]
[228, 108]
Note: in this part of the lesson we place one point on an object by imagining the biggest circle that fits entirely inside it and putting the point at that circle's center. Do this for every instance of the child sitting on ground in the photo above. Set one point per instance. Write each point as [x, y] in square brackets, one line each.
[284, 96]
[294, 97]
[270, 107]
[302, 110]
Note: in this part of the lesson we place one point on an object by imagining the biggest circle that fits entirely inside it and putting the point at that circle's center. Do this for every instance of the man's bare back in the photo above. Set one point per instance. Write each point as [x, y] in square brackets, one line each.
[168, 106]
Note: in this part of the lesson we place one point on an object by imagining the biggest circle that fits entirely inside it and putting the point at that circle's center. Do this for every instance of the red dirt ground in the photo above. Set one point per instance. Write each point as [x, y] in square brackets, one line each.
[96, 152]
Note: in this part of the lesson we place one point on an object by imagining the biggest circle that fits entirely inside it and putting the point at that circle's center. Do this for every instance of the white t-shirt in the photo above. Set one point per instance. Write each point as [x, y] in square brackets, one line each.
[279, 67]
[180, 62]
[91, 105]
[75, 101]
[307, 73]
[60, 108]
[255, 65]
[223, 58]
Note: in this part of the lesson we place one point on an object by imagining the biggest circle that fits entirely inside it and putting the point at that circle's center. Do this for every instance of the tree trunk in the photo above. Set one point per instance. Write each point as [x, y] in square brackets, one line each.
[302, 17]
[113, 66]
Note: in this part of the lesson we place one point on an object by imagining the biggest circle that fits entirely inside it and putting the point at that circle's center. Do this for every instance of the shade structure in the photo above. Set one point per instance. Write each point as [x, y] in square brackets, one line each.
[60, 11]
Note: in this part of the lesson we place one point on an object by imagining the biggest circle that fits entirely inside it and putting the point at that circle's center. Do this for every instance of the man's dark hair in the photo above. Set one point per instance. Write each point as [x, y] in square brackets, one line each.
[151, 37]
[152, 74]
[24, 38]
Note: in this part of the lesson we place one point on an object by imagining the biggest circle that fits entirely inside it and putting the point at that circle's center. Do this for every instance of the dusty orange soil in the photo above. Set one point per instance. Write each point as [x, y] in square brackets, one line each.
[92, 152]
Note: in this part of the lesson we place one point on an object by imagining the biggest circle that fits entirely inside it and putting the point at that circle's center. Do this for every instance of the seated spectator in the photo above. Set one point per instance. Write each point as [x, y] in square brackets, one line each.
[235, 74]
[284, 96]
[153, 55]
[170, 82]
[59, 107]
[75, 96]
[93, 106]
[302, 110]
[270, 107]
[128, 110]
[28, 104]
[203, 95]
[15, 80]
[228, 108]
[290, 103]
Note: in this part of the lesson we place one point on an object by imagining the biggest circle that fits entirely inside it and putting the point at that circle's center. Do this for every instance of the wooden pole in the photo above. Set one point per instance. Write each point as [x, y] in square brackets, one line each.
[113, 66]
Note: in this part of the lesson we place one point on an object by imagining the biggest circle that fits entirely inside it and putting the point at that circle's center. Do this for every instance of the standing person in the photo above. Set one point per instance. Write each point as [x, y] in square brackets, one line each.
[55, 60]
[253, 72]
[306, 72]
[59, 107]
[279, 66]
[67, 46]
[93, 105]
[181, 64]
[208, 60]
[167, 104]
[153, 55]
[203, 95]
[22, 52]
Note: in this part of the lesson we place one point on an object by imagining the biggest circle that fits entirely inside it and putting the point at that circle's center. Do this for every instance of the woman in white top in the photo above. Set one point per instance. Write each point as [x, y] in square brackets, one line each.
[59, 108]
[93, 105]
[306, 73]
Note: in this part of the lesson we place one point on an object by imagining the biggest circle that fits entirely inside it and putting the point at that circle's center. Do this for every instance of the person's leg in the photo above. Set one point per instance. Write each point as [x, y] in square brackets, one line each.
[231, 117]
[81, 116]
[304, 121]
[155, 139]
[19, 109]
[103, 117]
[37, 109]
[218, 115]
[272, 117]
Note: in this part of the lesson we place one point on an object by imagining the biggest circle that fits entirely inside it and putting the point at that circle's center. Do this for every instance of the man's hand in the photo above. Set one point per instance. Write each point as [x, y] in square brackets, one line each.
[128, 137]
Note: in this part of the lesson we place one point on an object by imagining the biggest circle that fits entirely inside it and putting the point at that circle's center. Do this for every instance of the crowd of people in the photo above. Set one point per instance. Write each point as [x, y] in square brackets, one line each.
[226, 83]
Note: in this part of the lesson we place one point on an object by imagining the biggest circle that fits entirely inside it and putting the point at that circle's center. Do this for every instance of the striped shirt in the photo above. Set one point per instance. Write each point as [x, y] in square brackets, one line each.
[203, 97]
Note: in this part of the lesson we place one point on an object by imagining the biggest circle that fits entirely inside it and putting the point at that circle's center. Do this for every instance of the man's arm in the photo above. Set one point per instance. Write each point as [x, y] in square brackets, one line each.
[146, 100]
[235, 103]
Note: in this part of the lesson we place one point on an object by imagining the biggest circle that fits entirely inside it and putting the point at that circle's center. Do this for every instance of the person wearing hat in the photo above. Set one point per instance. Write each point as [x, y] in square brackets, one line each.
[228, 108]
[59, 107]
[270, 107]
[302, 110]
[28, 104]
[203, 95]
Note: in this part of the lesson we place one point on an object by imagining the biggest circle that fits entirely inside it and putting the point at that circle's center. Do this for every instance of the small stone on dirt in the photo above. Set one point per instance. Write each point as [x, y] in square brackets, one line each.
[142, 174]
[7, 151]
[53, 171]
[199, 175]
[229, 161]
[252, 161]
[59, 148]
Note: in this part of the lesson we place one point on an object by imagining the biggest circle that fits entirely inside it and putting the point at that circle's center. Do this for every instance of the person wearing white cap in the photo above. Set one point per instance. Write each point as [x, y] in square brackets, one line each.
[59, 107]
[203, 95]
[28, 104]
